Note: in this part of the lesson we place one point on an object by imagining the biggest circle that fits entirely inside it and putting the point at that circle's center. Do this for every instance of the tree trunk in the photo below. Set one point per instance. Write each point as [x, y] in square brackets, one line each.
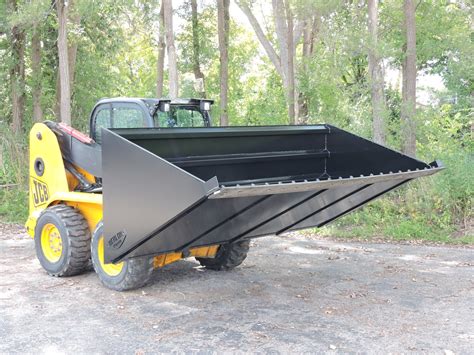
[376, 76]
[271, 53]
[310, 30]
[281, 29]
[409, 81]
[18, 78]
[36, 91]
[172, 61]
[223, 33]
[64, 76]
[57, 102]
[72, 54]
[161, 56]
[75, 19]
[17, 71]
[198, 75]
[291, 66]
[284, 31]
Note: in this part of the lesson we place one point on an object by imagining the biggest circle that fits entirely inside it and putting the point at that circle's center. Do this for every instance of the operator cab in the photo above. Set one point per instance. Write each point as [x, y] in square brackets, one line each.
[149, 113]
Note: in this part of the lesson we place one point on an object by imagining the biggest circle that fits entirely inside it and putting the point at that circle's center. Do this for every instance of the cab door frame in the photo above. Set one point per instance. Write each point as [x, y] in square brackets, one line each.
[110, 103]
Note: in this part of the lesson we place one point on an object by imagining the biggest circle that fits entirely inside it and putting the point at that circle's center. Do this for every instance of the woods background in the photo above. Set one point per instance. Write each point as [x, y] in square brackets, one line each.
[354, 64]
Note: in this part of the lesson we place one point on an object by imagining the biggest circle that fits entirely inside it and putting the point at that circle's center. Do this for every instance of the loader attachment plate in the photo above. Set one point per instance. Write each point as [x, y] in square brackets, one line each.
[169, 190]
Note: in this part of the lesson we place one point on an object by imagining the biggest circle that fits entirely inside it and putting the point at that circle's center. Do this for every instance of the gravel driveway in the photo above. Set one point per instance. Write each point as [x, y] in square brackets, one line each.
[292, 294]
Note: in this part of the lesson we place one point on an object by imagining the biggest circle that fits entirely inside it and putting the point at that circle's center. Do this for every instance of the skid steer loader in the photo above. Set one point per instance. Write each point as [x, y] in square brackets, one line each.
[150, 187]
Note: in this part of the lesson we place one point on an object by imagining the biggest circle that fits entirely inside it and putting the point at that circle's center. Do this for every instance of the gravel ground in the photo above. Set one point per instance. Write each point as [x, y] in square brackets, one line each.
[292, 294]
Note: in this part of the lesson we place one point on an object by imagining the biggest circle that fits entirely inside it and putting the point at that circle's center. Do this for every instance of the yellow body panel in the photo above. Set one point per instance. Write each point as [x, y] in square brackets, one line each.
[90, 206]
[56, 185]
[44, 145]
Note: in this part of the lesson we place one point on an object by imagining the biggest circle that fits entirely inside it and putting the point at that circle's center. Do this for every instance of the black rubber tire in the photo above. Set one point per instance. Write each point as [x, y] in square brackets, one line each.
[75, 239]
[228, 256]
[136, 272]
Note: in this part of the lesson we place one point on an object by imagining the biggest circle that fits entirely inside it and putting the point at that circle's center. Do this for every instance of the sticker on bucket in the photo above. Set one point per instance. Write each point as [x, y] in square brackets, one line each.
[117, 240]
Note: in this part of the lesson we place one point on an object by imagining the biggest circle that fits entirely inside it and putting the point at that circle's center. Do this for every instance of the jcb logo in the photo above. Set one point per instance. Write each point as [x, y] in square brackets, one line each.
[40, 192]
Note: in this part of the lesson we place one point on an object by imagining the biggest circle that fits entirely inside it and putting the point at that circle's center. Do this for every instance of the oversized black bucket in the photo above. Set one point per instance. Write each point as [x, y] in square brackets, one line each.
[168, 190]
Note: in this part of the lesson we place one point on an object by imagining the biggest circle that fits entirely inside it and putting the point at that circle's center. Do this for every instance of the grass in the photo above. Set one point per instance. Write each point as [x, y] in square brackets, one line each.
[13, 205]
[407, 232]
[13, 176]
[370, 224]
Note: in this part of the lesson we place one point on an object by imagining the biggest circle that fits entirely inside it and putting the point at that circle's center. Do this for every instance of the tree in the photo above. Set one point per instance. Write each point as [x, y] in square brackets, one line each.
[75, 20]
[288, 34]
[290, 65]
[310, 31]
[36, 91]
[408, 109]
[63, 55]
[72, 18]
[17, 70]
[161, 54]
[223, 33]
[172, 61]
[376, 76]
[198, 74]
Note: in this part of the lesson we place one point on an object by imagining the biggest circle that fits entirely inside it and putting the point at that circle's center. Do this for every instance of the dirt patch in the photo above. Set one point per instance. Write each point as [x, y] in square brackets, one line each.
[12, 231]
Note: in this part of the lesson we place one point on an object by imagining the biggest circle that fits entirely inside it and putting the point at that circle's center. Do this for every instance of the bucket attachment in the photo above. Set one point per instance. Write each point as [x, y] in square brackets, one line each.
[169, 190]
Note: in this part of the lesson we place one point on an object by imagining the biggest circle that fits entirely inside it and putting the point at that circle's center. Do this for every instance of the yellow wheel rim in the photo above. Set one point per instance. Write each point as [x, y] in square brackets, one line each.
[109, 269]
[51, 243]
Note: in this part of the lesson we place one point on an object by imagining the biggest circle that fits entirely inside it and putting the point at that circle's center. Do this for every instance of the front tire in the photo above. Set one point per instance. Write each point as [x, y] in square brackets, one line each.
[62, 241]
[228, 256]
[126, 275]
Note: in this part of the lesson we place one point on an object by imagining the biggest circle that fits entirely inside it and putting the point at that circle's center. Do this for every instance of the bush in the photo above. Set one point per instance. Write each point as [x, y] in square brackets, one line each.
[438, 208]
[14, 205]
[13, 176]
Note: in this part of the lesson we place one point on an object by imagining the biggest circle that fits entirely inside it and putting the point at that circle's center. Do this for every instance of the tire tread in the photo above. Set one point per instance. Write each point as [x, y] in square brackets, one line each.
[78, 238]
[228, 256]
[138, 270]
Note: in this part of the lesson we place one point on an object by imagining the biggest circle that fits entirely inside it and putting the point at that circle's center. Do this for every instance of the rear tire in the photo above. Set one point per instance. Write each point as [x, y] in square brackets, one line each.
[126, 275]
[62, 241]
[228, 256]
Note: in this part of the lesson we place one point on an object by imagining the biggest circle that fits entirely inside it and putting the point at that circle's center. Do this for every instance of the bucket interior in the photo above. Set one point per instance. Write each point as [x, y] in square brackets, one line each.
[259, 155]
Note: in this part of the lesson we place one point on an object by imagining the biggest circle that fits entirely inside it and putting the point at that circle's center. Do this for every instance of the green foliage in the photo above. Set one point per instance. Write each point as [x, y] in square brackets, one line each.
[444, 42]
[242, 50]
[438, 208]
[14, 205]
[13, 176]
[13, 158]
[117, 54]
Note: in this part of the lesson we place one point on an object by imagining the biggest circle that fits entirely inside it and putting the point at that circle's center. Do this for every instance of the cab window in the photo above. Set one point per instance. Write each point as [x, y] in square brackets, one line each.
[102, 119]
[128, 116]
[183, 116]
[118, 115]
